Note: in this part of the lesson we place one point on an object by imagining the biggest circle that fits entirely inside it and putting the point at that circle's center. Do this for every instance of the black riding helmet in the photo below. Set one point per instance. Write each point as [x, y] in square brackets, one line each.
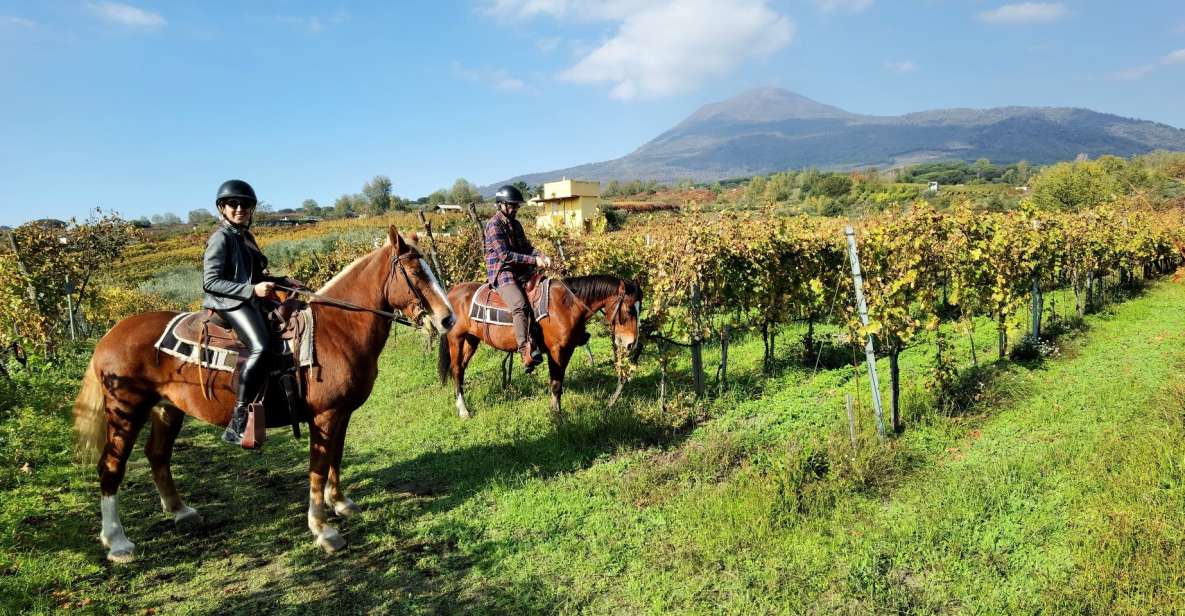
[508, 194]
[235, 189]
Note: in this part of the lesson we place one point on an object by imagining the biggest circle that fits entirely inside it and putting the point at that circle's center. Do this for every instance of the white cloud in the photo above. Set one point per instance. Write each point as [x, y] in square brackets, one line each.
[311, 25]
[672, 46]
[126, 15]
[21, 22]
[1139, 72]
[1025, 13]
[1174, 57]
[904, 66]
[584, 10]
[1135, 72]
[848, 6]
[498, 78]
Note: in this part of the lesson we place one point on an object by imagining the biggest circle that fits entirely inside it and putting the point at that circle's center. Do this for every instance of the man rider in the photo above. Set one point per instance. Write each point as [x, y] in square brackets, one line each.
[510, 262]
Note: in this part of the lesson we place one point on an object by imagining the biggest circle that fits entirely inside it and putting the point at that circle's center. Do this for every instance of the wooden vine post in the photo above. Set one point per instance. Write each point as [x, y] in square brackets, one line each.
[697, 351]
[432, 249]
[869, 350]
[1038, 301]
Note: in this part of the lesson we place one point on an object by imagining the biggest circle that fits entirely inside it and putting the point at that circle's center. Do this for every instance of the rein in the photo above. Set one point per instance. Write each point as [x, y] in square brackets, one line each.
[341, 303]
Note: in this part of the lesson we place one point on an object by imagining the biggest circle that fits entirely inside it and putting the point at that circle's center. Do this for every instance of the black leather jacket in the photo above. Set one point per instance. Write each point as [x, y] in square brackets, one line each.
[231, 268]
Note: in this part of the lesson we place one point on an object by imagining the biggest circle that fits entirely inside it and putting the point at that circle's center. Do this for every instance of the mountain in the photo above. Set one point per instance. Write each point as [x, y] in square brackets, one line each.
[769, 129]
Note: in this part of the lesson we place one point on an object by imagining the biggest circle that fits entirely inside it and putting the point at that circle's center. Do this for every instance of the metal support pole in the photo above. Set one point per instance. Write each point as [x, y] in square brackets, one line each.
[869, 350]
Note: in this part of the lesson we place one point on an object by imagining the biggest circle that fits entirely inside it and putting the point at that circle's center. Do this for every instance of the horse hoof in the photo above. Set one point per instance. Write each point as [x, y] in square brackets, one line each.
[187, 519]
[123, 554]
[463, 414]
[346, 508]
[330, 540]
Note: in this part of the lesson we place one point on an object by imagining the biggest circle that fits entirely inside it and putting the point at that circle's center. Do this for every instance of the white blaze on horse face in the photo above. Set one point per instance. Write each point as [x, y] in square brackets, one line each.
[436, 285]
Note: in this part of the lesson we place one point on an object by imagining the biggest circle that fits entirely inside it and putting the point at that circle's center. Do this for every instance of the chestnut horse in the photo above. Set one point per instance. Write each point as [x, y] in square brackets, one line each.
[572, 303]
[129, 384]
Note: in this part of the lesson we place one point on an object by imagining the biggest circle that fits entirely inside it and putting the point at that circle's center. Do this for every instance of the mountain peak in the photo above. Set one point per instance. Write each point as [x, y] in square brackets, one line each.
[766, 104]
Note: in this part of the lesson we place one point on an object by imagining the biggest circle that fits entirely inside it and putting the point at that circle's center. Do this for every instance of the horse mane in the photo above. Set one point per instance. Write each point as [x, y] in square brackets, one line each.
[599, 286]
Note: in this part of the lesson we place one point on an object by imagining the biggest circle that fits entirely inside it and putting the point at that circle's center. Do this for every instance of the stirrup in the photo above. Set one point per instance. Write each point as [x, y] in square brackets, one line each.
[238, 418]
[531, 358]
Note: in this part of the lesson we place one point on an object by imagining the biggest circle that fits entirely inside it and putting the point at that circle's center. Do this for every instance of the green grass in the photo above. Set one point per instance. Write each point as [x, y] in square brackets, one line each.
[1059, 489]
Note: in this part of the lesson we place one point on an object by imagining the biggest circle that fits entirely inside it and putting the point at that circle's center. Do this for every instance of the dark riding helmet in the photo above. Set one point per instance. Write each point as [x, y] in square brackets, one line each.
[508, 194]
[235, 189]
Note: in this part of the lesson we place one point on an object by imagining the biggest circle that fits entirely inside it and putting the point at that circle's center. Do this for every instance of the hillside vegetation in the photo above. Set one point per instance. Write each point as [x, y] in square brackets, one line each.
[1019, 471]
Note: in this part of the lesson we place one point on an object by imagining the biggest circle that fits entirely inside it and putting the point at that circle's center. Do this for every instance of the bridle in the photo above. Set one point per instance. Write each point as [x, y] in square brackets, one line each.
[421, 302]
[397, 263]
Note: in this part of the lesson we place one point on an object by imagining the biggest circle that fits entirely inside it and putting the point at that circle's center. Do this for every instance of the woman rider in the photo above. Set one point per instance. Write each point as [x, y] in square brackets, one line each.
[234, 277]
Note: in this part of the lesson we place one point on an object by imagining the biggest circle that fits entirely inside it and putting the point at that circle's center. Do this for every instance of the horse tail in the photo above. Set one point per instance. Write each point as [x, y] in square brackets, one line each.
[444, 360]
[90, 417]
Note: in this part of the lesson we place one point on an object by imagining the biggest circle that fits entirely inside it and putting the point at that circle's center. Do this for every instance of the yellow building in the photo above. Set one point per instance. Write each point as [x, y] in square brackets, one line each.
[568, 203]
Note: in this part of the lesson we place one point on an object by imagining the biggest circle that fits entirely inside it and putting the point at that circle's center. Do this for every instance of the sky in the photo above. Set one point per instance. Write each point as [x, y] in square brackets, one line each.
[145, 107]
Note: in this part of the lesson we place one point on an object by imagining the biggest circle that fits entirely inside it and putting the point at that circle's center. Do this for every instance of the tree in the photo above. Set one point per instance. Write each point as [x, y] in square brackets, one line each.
[464, 193]
[167, 218]
[834, 186]
[310, 207]
[376, 195]
[1074, 186]
[200, 216]
[438, 197]
[982, 167]
[344, 206]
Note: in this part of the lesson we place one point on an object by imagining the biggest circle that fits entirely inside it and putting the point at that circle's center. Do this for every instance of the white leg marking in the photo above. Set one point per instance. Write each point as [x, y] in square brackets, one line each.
[120, 549]
[343, 506]
[186, 516]
[462, 409]
[324, 535]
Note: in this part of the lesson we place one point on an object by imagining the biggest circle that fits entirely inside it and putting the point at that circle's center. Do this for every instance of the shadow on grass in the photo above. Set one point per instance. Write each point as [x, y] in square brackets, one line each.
[254, 551]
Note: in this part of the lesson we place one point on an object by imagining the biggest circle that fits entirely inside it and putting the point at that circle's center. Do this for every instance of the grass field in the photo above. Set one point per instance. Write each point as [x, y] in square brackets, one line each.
[1060, 489]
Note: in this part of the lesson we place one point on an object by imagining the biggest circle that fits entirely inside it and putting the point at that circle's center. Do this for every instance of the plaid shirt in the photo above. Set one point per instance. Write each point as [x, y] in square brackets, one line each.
[508, 253]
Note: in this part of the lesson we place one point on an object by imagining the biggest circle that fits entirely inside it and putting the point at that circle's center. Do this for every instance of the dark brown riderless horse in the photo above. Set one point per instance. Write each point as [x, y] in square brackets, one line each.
[572, 303]
[128, 385]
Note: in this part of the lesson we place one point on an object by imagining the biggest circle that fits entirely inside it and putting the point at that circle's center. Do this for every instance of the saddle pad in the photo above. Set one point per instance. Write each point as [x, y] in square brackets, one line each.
[497, 314]
[214, 358]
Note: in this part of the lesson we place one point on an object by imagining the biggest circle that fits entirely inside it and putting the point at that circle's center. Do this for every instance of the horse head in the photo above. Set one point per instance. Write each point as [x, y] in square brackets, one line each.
[623, 315]
[412, 288]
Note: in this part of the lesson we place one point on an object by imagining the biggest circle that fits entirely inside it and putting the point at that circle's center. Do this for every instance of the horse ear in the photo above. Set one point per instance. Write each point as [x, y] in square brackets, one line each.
[396, 240]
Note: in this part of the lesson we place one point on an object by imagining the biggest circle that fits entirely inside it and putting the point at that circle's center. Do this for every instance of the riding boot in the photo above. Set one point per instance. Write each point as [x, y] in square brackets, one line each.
[238, 425]
[531, 357]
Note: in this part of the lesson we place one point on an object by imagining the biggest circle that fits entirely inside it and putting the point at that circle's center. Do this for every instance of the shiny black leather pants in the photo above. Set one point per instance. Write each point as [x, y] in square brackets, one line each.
[249, 326]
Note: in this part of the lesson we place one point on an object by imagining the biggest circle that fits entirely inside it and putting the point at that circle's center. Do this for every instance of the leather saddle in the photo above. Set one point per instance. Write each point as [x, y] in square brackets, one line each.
[206, 339]
[286, 322]
[487, 305]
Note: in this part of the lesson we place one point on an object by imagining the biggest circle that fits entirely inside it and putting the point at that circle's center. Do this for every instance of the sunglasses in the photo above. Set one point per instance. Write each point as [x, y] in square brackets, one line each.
[231, 204]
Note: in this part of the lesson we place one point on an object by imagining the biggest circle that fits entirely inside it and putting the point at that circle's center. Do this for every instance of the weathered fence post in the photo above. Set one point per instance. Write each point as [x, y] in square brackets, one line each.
[432, 249]
[697, 351]
[472, 209]
[869, 350]
[20, 264]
